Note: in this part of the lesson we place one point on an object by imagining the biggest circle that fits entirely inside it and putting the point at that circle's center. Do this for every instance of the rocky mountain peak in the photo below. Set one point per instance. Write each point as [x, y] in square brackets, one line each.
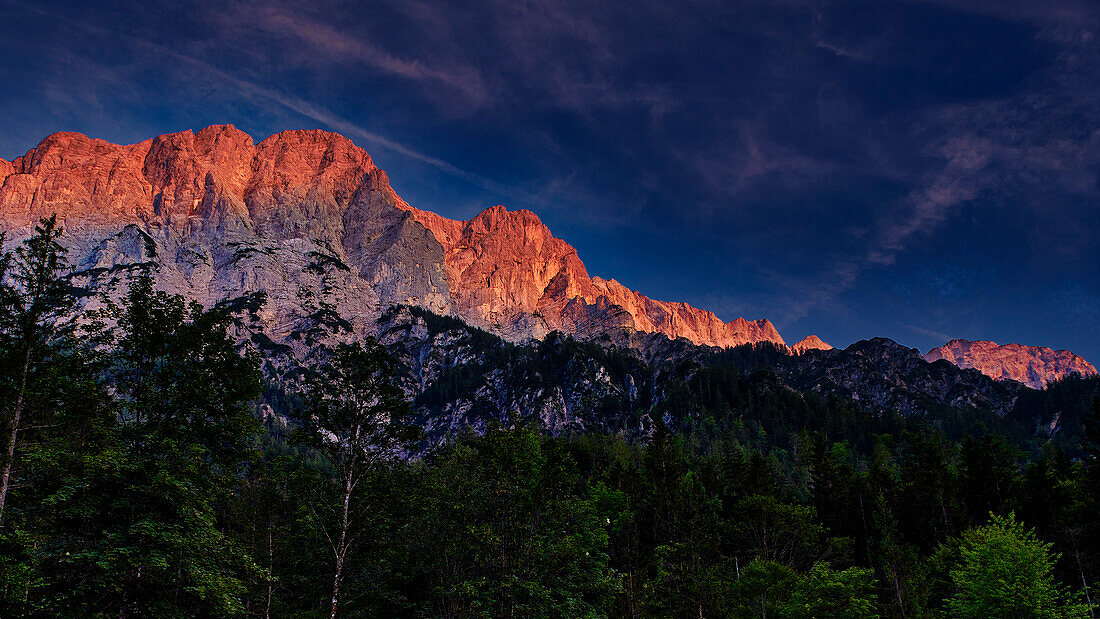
[880, 374]
[883, 347]
[810, 342]
[320, 159]
[178, 178]
[507, 268]
[1034, 366]
[235, 216]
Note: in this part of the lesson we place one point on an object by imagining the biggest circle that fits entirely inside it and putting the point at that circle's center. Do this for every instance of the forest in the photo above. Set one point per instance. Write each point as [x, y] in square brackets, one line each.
[142, 478]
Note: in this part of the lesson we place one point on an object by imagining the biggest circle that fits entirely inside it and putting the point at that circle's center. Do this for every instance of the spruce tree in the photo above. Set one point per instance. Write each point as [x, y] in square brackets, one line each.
[31, 320]
[142, 535]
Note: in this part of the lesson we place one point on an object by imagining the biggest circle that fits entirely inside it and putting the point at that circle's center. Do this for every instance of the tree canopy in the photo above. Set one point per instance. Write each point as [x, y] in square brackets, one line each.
[146, 475]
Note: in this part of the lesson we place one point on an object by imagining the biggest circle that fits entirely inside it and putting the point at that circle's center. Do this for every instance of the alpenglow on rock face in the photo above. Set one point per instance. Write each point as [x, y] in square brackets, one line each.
[306, 217]
[508, 273]
[1034, 366]
[810, 342]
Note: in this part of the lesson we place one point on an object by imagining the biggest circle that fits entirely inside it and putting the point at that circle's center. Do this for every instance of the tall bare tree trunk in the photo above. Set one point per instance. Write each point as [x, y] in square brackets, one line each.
[16, 417]
[270, 572]
[897, 590]
[1081, 571]
[341, 547]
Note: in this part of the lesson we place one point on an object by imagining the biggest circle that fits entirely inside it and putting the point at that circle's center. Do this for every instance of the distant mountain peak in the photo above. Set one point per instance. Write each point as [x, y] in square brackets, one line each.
[810, 342]
[1034, 366]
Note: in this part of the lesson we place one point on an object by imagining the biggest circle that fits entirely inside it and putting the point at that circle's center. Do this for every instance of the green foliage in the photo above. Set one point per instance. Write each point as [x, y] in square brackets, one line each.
[142, 483]
[1068, 401]
[769, 529]
[33, 307]
[42, 295]
[508, 529]
[117, 510]
[769, 589]
[825, 592]
[1004, 570]
[180, 379]
[764, 589]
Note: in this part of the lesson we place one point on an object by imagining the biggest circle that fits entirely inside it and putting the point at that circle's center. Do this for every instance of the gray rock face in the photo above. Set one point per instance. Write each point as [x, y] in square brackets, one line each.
[304, 217]
[463, 378]
[882, 375]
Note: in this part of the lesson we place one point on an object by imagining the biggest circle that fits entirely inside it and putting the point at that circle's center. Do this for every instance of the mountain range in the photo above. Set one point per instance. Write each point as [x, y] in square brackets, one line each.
[308, 219]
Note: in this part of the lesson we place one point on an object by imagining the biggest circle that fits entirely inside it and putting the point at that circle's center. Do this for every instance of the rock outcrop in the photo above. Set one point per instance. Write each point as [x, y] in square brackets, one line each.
[810, 342]
[881, 375]
[1034, 366]
[307, 217]
[5, 170]
[463, 378]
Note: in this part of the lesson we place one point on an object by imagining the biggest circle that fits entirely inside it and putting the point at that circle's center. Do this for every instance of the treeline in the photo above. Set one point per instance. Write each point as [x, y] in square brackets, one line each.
[139, 480]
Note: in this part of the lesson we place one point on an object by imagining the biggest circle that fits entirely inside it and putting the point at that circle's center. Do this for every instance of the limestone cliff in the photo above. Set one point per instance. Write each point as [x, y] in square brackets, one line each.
[304, 216]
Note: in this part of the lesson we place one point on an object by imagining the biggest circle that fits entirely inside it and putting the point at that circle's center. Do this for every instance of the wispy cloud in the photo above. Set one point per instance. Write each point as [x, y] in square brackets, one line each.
[354, 130]
[960, 179]
[936, 336]
[1030, 148]
[253, 90]
[323, 44]
[751, 158]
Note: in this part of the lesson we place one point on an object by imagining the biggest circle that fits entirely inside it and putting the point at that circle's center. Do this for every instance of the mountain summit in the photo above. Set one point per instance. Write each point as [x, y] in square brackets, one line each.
[810, 342]
[506, 268]
[306, 217]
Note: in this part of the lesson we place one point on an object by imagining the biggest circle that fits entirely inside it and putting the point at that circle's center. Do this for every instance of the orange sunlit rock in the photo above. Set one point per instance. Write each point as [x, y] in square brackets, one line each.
[504, 270]
[1035, 366]
[810, 342]
[503, 264]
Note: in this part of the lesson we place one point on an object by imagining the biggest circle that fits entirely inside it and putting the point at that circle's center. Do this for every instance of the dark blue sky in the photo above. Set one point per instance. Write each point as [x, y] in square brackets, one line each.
[919, 170]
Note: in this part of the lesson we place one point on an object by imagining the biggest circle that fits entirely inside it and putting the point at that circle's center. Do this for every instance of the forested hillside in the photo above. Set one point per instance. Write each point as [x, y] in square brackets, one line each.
[156, 464]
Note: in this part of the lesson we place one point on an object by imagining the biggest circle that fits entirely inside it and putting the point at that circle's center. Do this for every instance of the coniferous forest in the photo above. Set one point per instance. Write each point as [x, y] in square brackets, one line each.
[140, 479]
